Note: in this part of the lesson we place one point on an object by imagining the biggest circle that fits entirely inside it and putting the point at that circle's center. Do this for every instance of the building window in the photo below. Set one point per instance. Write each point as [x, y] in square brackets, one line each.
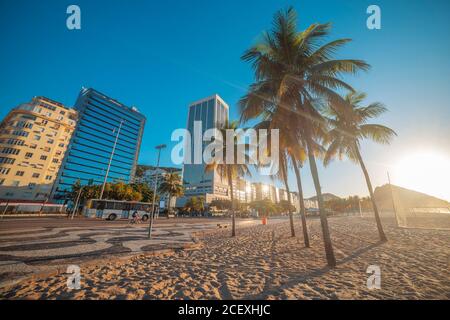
[7, 160]
[36, 137]
[20, 133]
[4, 170]
[50, 141]
[36, 175]
[28, 155]
[61, 145]
[20, 173]
[43, 157]
[33, 146]
[55, 160]
[10, 151]
[48, 178]
[2, 181]
[15, 142]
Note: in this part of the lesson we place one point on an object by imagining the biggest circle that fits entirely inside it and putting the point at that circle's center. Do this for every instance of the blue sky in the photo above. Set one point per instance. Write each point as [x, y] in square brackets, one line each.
[161, 55]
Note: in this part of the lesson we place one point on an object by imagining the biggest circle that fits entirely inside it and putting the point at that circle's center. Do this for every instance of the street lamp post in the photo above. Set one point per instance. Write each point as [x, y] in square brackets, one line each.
[110, 160]
[152, 215]
[6, 208]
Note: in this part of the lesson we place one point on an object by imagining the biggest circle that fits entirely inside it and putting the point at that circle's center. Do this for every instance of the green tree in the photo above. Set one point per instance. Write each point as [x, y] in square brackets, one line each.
[285, 206]
[348, 127]
[296, 71]
[145, 191]
[264, 207]
[195, 204]
[172, 186]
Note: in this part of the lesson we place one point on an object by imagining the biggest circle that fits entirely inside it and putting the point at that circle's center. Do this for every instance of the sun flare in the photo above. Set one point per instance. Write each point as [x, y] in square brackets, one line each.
[427, 172]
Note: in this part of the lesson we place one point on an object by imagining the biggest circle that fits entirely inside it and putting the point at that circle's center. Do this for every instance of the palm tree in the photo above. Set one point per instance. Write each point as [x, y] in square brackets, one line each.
[172, 186]
[231, 170]
[296, 165]
[296, 71]
[271, 122]
[293, 151]
[348, 127]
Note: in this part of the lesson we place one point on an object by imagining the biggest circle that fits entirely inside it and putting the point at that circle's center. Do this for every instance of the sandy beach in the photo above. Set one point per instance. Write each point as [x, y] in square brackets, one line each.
[264, 262]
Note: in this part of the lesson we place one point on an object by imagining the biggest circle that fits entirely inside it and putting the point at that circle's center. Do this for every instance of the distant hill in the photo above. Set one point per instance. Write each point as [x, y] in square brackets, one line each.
[405, 197]
[326, 197]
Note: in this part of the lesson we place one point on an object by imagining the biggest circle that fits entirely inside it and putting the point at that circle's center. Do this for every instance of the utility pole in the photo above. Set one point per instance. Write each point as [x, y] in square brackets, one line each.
[110, 159]
[75, 207]
[393, 202]
[152, 215]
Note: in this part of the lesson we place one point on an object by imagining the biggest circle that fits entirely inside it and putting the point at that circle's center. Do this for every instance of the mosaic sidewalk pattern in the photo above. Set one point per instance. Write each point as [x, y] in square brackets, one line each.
[37, 250]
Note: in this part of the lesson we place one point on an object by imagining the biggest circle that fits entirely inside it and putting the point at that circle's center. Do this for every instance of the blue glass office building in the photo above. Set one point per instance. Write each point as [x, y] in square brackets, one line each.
[213, 113]
[91, 145]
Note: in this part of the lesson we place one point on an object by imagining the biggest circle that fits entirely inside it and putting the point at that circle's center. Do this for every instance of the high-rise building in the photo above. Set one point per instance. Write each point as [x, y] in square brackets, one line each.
[213, 113]
[108, 135]
[33, 141]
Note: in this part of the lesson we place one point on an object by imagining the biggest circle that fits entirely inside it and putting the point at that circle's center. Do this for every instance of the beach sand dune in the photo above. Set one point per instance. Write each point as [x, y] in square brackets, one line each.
[264, 262]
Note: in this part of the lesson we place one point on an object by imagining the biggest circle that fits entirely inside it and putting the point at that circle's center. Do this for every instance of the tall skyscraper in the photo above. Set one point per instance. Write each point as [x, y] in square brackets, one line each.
[33, 141]
[91, 147]
[213, 113]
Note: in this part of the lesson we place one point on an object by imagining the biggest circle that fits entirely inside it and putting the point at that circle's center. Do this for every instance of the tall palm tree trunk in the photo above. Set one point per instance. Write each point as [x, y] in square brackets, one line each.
[329, 252]
[372, 198]
[286, 185]
[233, 219]
[302, 204]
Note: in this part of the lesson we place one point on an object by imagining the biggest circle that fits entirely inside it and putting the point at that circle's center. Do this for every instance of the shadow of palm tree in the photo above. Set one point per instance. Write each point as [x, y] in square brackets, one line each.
[359, 252]
[302, 277]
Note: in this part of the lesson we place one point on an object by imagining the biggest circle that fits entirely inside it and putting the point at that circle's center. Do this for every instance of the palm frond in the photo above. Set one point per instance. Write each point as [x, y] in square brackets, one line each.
[377, 133]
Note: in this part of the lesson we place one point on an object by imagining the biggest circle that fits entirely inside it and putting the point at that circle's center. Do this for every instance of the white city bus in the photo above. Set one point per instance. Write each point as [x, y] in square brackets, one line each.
[114, 209]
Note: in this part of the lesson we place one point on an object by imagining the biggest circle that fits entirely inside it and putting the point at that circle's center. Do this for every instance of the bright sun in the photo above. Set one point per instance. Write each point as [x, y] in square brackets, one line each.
[427, 172]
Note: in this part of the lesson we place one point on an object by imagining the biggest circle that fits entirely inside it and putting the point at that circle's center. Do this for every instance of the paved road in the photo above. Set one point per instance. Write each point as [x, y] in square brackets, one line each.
[42, 244]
